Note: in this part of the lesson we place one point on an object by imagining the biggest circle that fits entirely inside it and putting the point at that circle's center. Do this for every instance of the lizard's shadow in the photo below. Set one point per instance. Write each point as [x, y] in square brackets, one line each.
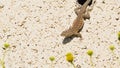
[67, 39]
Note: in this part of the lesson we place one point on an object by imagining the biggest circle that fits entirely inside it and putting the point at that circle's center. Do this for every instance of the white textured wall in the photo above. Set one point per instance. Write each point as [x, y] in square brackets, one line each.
[34, 28]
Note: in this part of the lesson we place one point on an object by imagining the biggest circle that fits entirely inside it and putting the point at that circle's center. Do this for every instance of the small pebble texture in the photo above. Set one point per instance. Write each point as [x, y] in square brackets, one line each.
[33, 28]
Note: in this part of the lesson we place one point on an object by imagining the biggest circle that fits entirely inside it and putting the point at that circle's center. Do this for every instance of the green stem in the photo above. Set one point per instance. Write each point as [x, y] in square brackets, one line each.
[2, 63]
[2, 60]
[52, 65]
[4, 54]
[91, 62]
[73, 64]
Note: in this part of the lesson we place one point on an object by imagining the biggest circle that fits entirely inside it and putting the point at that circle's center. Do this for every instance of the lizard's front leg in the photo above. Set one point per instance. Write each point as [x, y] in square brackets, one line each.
[89, 9]
[77, 10]
[86, 15]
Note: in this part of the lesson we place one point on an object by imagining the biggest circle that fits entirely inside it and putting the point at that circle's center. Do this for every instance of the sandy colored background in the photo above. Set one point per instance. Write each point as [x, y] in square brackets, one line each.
[33, 29]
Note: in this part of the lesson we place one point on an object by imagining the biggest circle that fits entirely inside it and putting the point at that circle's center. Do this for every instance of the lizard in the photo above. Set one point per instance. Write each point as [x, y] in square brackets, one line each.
[78, 22]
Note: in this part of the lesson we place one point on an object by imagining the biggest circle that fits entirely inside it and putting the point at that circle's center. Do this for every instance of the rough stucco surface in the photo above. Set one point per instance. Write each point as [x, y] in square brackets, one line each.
[33, 29]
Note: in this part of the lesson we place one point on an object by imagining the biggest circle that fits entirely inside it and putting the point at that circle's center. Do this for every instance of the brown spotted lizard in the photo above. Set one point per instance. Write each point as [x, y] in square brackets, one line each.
[78, 22]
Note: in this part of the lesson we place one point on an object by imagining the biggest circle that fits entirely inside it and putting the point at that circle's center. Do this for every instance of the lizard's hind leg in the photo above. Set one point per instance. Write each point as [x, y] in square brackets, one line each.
[78, 35]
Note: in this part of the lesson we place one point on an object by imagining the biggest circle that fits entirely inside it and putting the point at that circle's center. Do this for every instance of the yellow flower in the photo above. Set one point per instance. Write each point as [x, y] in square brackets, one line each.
[90, 52]
[6, 45]
[119, 35]
[112, 47]
[52, 58]
[69, 57]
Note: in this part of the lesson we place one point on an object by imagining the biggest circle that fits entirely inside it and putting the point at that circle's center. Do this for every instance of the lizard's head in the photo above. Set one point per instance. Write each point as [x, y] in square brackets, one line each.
[63, 33]
[66, 33]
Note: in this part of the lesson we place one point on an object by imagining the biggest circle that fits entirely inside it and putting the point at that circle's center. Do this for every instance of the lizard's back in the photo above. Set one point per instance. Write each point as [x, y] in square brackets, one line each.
[77, 24]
